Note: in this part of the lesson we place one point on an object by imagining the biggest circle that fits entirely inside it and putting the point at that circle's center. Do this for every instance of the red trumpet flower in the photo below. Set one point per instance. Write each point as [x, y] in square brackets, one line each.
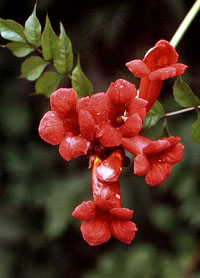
[64, 126]
[159, 63]
[104, 216]
[125, 114]
[154, 158]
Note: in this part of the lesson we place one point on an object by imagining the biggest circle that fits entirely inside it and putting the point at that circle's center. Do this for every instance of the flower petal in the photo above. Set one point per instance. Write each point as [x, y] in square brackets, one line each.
[122, 213]
[138, 68]
[172, 140]
[63, 100]
[180, 68]
[73, 146]
[141, 165]
[121, 92]
[96, 231]
[138, 105]
[162, 73]
[157, 173]
[132, 126]
[99, 107]
[136, 144]
[156, 146]
[83, 104]
[111, 168]
[85, 211]
[161, 55]
[173, 155]
[51, 128]
[123, 230]
[106, 204]
[87, 125]
[109, 136]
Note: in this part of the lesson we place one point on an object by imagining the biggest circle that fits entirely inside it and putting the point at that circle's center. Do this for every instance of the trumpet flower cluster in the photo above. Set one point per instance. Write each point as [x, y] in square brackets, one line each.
[105, 124]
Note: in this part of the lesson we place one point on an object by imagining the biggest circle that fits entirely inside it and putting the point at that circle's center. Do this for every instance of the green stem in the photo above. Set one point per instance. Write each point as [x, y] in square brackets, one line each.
[185, 23]
[170, 114]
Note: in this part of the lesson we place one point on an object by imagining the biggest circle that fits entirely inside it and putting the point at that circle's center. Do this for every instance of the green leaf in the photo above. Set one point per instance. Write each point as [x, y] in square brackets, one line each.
[48, 83]
[50, 42]
[164, 130]
[20, 49]
[33, 29]
[64, 57]
[33, 67]
[184, 95]
[195, 130]
[80, 82]
[12, 30]
[153, 115]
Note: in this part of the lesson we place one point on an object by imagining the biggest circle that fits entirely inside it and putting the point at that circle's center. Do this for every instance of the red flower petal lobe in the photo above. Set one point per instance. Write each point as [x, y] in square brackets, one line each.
[138, 105]
[161, 55]
[132, 126]
[109, 136]
[63, 100]
[85, 211]
[51, 128]
[99, 107]
[121, 92]
[111, 168]
[141, 165]
[122, 213]
[123, 230]
[73, 146]
[138, 68]
[180, 68]
[96, 231]
[157, 173]
[163, 73]
[156, 146]
[87, 125]
[173, 155]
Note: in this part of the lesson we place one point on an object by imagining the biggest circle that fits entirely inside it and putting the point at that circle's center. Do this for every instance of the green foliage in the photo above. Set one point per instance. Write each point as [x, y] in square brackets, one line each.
[184, 95]
[20, 49]
[33, 29]
[49, 42]
[80, 82]
[164, 130]
[153, 115]
[195, 130]
[12, 30]
[55, 50]
[48, 83]
[33, 67]
[64, 56]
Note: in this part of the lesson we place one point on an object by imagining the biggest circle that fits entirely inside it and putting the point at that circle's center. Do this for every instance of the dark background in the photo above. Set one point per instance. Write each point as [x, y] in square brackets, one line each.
[39, 190]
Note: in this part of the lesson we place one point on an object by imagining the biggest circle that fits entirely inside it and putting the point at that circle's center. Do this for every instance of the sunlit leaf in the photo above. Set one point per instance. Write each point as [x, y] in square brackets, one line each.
[11, 30]
[153, 115]
[184, 95]
[20, 49]
[80, 82]
[195, 130]
[64, 57]
[47, 83]
[33, 67]
[49, 41]
[33, 29]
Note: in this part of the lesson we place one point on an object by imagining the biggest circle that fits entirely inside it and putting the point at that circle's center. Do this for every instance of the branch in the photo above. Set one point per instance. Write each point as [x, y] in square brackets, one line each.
[170, 114]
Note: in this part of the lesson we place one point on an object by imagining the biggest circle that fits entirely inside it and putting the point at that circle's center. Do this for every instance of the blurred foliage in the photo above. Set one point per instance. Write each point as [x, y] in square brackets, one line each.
[38, 190]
